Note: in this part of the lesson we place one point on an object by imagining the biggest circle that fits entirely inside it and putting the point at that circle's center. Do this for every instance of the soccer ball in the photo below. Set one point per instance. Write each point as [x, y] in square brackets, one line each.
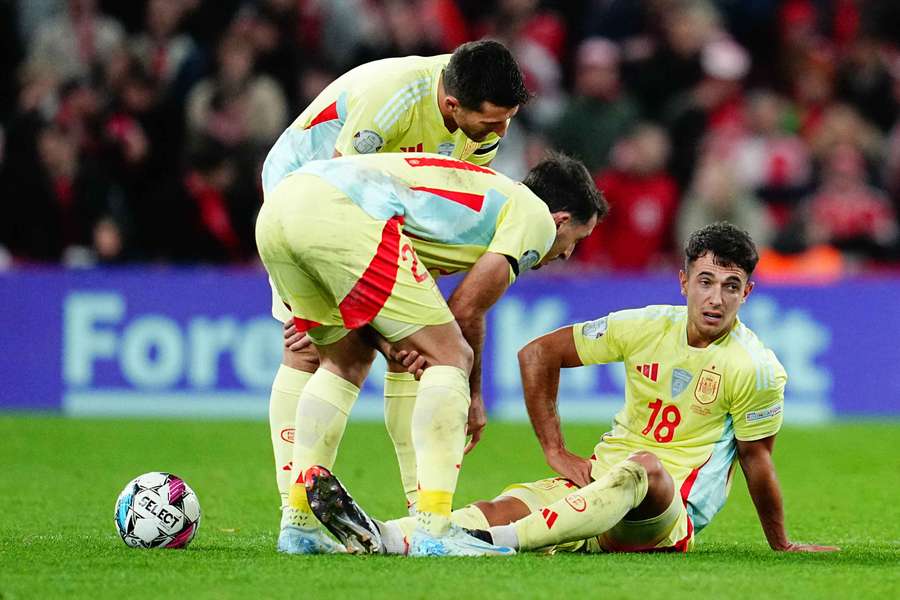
[157, 510]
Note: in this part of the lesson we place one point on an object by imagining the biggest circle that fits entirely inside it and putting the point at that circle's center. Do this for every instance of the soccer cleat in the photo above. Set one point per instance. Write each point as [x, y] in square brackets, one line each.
[336, 509]
[481, 534]
[456, 542]
[300, 540]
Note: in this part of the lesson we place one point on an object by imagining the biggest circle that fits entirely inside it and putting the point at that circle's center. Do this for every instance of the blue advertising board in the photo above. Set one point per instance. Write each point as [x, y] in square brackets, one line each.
[200, 342]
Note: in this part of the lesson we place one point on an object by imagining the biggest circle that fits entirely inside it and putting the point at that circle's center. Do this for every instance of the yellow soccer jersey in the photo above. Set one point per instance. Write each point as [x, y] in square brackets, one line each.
[452, 210]
[387, 105]
[686, 405]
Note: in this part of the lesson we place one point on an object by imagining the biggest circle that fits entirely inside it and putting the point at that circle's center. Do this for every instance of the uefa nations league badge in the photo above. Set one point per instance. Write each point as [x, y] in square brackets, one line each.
[367, 141]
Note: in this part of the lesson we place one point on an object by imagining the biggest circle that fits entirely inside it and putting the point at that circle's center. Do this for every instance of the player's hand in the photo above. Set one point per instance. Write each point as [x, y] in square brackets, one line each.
[412, 361]
[477, 422]
[792, 547]
[293, 339]
[571, 466]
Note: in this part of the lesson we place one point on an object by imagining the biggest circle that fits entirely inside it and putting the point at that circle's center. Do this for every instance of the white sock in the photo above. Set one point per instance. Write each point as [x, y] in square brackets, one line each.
[505, 535]
[392, 537]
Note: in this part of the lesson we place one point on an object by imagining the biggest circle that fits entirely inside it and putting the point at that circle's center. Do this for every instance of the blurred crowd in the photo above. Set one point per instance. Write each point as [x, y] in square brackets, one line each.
[135, 131]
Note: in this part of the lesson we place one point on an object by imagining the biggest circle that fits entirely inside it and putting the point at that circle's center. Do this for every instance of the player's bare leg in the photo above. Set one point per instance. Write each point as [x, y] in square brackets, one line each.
[637, 488]
[322, 414]
[660, 488]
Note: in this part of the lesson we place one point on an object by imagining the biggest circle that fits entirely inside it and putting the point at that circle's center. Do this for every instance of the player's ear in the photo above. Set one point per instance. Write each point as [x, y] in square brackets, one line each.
[747, 289]
[682, 281]
[561, 218]
[451, 102]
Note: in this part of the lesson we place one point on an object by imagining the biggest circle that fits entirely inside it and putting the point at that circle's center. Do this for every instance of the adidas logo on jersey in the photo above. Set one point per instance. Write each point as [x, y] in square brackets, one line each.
[549, 517]
[649, 370]
[417, 148]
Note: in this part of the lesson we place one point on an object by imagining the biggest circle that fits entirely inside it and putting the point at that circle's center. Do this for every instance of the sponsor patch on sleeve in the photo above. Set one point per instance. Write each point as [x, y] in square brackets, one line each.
[594, 329]
[367, 141]
[762, 415]
[528, 260]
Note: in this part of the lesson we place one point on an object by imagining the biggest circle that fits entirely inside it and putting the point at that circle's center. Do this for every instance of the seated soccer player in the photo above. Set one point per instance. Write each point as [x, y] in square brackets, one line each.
[702, 393]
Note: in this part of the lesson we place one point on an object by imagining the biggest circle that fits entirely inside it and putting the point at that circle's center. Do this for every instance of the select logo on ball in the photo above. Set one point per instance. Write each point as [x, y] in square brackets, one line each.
[287, 435]
[157, 510]
[152, 507]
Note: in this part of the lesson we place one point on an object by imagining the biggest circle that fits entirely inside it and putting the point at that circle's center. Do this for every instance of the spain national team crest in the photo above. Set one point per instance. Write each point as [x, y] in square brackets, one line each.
[680, 380]
[707, 387]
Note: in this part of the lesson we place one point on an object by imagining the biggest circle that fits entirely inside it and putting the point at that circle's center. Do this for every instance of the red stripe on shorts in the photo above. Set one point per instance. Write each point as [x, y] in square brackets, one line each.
[329, 113]
[303, 325]
[373, 289]
[683, 544]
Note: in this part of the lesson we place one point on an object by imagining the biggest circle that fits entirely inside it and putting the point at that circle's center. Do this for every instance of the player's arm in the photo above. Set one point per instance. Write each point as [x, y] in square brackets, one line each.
[759, 470]
[479, 291]
[540, 362]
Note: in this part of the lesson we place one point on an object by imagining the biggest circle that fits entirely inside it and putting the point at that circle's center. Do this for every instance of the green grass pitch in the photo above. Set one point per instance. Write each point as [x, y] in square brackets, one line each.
[59, 479]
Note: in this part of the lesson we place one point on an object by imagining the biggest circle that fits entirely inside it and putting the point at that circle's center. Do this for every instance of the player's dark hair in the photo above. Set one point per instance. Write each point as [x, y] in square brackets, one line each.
[485, 70]
[565, 184]
[729, 246]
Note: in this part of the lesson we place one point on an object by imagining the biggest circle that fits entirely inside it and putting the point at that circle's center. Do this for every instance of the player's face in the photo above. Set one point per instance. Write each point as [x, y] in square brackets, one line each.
[477, 124]
[568, 233]
[714, 294]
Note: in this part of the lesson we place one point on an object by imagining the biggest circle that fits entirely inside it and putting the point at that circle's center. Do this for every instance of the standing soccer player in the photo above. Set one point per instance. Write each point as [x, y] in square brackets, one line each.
[456, 105]
[350, 242]
[702, 393]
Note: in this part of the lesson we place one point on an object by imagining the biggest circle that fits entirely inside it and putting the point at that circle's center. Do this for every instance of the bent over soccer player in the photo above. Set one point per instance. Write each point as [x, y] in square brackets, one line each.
[457, 105]
[702, 393]
[349, 242]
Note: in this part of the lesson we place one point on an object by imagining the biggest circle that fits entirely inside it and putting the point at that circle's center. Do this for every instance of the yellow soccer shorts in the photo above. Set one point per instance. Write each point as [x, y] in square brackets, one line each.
[339, 269]
[671, 531]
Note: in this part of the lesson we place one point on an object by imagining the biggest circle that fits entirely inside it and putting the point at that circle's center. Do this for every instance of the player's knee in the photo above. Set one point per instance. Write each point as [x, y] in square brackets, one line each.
[503, 510]
[466, 356]
[441, 345]
[458, 353]
[656, 473]
[306, 359]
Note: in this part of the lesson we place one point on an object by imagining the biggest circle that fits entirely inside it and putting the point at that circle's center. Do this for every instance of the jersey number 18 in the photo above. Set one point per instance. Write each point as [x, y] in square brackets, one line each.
[665, 430]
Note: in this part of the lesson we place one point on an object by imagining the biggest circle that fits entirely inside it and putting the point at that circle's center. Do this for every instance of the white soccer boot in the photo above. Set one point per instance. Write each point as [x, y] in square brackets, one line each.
[456, 542]
[300, 540]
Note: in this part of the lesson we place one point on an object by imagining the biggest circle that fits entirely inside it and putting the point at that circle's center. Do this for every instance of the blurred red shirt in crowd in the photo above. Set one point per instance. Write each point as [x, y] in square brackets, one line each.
[643, 199]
